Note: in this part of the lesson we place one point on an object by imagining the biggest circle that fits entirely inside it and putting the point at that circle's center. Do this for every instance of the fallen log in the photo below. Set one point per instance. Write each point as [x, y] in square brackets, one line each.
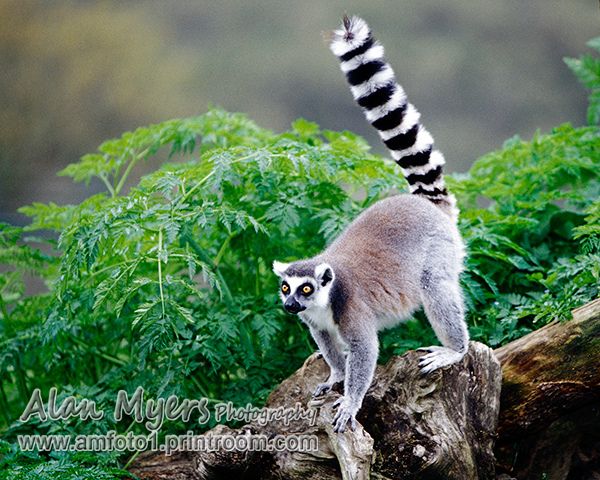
[440, 426]
[550, 403]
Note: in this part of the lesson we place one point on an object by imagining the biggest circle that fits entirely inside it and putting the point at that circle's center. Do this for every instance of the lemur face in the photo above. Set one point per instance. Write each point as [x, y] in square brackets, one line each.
[304, 287]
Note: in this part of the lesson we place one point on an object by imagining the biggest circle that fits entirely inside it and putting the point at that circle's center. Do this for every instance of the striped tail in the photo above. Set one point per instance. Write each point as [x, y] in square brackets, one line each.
[374, 87]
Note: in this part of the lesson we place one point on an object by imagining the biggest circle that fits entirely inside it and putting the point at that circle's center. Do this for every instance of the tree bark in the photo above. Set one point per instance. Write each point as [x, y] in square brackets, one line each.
[550, 403]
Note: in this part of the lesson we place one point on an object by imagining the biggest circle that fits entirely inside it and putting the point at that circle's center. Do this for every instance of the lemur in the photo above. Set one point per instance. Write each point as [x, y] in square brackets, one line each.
[401, 253]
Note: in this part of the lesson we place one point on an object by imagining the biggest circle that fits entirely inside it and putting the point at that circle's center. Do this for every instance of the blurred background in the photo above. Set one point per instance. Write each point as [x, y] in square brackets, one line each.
[75, 73]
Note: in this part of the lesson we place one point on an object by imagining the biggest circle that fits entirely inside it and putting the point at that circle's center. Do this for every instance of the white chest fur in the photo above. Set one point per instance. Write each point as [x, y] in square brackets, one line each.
[320, 318]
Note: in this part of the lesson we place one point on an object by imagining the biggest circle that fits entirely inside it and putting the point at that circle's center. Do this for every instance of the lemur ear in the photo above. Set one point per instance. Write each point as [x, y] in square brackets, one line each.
[324, 274]
[279, 268]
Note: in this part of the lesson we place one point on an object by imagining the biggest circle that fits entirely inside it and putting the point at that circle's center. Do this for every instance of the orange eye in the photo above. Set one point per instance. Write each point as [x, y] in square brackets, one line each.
[285, 288]
[307, 289]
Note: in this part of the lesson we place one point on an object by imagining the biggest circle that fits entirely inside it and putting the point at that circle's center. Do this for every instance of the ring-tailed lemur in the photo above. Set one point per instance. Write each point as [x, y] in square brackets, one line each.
[402, 253]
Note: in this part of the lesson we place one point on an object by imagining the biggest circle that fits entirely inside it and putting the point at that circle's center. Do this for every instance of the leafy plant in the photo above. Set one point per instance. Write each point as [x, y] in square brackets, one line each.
[168, 284]
[587, 69]
[533, 255]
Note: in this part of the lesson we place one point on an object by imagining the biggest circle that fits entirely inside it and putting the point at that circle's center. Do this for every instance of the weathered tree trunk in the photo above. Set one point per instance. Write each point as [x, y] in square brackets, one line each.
[440, 426]
[550, 403]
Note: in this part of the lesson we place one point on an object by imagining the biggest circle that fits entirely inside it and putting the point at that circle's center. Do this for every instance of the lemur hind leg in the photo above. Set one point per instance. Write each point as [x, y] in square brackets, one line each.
[444, 308]
[335, 358]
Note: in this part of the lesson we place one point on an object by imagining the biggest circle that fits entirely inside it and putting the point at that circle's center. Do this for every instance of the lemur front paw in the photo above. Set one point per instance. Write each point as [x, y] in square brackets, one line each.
[438, 357]
[346, 412]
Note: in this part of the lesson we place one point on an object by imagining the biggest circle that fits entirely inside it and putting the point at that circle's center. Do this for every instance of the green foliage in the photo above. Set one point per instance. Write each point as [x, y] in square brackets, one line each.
[534, 247]
[15, 464]
[169, 285]
[587, 69]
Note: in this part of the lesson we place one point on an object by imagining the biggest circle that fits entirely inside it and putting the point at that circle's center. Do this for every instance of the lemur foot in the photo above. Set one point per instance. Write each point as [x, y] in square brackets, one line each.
[438, 357]
[346, 413]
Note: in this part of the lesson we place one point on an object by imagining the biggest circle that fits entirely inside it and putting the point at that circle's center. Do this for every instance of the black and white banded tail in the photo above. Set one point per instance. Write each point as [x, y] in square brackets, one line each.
[384, 103]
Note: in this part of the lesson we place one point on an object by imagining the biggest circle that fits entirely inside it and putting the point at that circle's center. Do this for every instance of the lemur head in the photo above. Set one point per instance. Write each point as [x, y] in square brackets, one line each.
[305, 285]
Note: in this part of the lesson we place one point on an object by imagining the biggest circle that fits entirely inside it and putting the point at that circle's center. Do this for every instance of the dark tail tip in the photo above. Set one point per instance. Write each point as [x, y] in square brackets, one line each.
[346, 21]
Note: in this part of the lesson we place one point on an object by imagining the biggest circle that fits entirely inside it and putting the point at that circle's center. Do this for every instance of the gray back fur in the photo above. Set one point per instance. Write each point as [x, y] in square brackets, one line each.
[385, 254]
